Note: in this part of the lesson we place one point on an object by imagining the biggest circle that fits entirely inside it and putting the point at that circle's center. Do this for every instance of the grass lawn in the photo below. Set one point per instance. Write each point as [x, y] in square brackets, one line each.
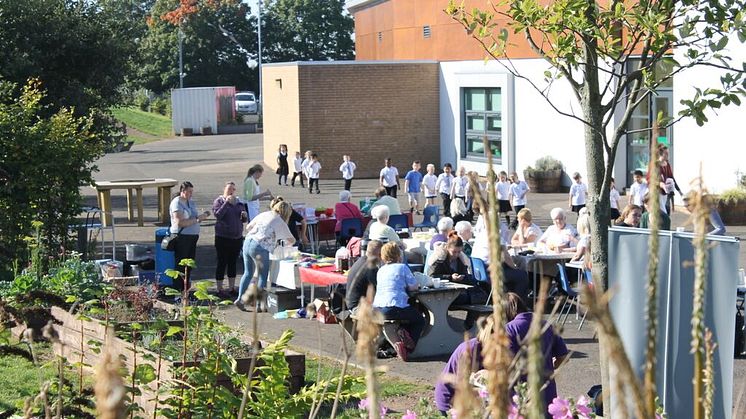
[151, 124]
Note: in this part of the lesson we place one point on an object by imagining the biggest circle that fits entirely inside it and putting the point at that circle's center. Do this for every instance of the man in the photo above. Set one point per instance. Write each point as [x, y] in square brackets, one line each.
[389, 178]
[387, 200]
[665, 220]
[362, 275]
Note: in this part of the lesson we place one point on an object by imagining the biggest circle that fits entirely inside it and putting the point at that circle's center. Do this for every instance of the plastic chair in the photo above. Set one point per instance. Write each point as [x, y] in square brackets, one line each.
[398, 222]
[479, 268]
[589, 280]
[351, 227]
[571, 295]
[430, 218]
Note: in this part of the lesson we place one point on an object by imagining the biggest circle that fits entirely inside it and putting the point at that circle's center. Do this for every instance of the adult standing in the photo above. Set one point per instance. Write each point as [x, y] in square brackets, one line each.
[252, 192]
[283, 169]
[294, 222]
[666, 182]
[263, 233]
[185, 222]
[389, 178]
[230, 214]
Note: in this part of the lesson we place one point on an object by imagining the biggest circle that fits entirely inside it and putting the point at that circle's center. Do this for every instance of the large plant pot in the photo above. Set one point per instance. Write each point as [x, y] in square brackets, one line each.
[733, 213]
[546, 181]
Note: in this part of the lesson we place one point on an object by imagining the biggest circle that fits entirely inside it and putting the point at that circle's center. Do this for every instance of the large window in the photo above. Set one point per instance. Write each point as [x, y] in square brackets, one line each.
[482, 120]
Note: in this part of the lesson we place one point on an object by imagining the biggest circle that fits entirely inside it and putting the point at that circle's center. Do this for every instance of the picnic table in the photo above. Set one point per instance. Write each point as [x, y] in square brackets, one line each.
[537, 262]
[103, 194]
[324, 276]
[442, 333]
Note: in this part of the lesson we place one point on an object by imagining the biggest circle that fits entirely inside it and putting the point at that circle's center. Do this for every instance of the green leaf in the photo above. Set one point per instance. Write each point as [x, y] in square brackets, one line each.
[188, 262]
[144, 374]
[172, 330]
[172, 292]
[173, 273]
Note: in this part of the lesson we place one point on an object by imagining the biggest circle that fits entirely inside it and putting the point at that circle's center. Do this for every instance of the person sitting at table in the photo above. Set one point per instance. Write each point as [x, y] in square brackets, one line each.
[560, 235]
[464, 230]
[527, 232]
[553, 349]
[263, 233]
[445, 225]
[458, 210]
[582, 250]
[664, 222]
[630, 217]
[362, 275]
[386, 200]
[449, 262]
[343, 210]
[379, 229]
[393, 281]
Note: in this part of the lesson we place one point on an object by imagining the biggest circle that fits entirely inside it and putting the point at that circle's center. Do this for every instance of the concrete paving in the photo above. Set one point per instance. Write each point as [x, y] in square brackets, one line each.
[208, 162]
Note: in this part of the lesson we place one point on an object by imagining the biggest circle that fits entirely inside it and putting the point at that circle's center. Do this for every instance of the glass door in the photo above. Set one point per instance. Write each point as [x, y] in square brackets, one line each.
[638, 128]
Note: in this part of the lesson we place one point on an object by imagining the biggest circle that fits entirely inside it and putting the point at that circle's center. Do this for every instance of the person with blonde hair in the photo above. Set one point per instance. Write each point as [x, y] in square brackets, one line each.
[630, 217]
[526, 231]
[583, 249]
[393, 280]
[263, 233]
[458, 210]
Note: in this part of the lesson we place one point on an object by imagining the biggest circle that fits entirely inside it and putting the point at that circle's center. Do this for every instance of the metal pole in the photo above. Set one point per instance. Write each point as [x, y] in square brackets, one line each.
[181, 59]
[259, 56]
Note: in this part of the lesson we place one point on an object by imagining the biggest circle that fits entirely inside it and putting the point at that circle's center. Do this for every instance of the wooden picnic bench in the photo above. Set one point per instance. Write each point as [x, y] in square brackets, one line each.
[103, 194]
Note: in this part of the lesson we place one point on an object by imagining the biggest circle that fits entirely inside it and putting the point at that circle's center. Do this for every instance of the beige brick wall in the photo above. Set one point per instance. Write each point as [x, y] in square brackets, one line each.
[281, 112]
[367, 110]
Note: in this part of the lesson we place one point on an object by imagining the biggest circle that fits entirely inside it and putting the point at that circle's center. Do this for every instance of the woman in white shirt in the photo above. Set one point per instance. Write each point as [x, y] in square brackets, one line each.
[252, 193]
[560, 235]
[379, 230]
[263, 233]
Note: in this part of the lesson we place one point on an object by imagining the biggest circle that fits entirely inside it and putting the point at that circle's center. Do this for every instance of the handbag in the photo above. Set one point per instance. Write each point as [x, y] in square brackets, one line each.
[169, 242]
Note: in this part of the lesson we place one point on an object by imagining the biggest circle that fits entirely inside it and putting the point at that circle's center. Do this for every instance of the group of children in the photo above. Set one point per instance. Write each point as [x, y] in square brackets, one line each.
[308, 167]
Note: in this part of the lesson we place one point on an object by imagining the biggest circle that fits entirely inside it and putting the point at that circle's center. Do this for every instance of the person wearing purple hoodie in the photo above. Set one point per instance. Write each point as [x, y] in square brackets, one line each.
[230, 214]
[519, 320]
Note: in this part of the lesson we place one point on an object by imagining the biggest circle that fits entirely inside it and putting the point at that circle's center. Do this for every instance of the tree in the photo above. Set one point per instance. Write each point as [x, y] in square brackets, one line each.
[79, 49]
[614, 55]
[307, 30]
[45, 160]
[211, 57]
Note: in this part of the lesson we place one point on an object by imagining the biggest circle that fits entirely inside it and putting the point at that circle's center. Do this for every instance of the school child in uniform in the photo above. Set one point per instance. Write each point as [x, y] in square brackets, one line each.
[297, 169]
[348, 171]
[412, 184]
[503, 195]
[443, 186]
[428, 185]
[314, 170]
[578, 191]
[518, 191]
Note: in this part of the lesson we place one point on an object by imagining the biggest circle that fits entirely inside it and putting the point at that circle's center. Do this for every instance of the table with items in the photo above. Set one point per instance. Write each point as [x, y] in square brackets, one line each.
[442, 333]
[540, 262]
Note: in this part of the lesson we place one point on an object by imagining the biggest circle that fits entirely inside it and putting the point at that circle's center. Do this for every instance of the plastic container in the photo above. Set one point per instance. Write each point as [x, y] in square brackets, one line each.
[164, 259]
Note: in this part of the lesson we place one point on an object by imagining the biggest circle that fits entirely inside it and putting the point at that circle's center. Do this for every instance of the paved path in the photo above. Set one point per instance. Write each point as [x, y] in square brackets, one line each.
[209, 162]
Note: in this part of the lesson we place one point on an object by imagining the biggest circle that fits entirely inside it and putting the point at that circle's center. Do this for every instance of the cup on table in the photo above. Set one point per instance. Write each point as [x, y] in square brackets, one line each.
[680, 229]
[436, 283]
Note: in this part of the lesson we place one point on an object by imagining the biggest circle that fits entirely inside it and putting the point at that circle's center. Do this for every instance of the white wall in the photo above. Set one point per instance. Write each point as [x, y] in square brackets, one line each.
[194, 108]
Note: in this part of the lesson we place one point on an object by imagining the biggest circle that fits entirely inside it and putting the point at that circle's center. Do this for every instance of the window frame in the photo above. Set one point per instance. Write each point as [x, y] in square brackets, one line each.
[486, 114]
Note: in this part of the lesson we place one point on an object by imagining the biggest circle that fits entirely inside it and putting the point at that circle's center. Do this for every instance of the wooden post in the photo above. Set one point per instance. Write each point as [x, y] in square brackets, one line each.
[139, 207]
[129, 204]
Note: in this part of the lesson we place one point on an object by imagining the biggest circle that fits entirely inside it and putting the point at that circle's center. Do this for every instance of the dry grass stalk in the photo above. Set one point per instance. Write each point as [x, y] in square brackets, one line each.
[535, 357]
[700, 205]
[709, 373]
[495, 351]
[254, 352]
[343, 373]
[465, 402]
[598, 306]
[368, 329]
[651, 309]
[109, 388]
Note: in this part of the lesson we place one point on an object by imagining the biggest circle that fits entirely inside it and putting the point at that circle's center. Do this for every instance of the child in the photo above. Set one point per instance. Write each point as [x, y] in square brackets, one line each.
[348, 171]
[614, 200]
[313, 173]
[517, 196]
[412, 182]
[297, 169]
[638, 189]
[428, 184]
[305, 164]
[578, 190]
[389, 178]
[503, 195]
[460, 185]
[443, 186]
[282, 165]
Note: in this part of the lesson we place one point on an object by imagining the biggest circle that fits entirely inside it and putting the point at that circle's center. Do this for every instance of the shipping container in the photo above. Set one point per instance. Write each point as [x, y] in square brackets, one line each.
[202, 109]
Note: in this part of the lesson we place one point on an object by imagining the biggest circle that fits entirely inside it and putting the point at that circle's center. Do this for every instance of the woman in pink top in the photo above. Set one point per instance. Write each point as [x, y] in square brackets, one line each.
[344, 209]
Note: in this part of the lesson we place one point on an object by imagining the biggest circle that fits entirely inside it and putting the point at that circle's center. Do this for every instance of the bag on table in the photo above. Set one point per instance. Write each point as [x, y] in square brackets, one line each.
[169, 242]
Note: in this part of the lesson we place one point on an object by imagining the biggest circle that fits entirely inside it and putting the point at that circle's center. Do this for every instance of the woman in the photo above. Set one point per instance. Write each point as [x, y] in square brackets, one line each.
[666, 183]
[449, 262]
[458, 210]
[263, 233]
[343, 210]
[185, 222]
[230, 216]
[296, 220]
[393, 280]
[582, 250]
[379, 230]
[560, 235]
[630, 217]
[282, 165]
[252, 193]
[519, 318]
[445, 225]
[526, 233]
[464, 230]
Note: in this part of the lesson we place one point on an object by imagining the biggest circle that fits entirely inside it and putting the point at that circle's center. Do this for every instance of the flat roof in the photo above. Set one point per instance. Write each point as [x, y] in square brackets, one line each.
[349, 62]
[356, 5]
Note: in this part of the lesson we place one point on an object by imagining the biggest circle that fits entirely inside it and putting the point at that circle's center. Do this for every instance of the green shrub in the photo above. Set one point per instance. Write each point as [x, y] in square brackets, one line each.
[161, 106]
[732, 196]
[544, 164]
[142, 102]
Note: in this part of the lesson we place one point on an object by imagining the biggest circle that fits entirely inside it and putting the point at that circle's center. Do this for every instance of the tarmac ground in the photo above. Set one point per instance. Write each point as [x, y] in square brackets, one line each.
[209, 161]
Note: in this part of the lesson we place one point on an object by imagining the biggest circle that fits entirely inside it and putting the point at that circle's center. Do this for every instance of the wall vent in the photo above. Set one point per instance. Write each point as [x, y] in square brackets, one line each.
[426, 31]
[380, 36]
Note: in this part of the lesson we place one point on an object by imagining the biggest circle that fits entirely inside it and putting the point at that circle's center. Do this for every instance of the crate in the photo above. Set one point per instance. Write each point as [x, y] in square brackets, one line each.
[281, 299]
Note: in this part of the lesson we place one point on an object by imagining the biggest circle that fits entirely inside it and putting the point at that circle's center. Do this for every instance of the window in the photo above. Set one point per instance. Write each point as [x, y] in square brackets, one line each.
[482, 120]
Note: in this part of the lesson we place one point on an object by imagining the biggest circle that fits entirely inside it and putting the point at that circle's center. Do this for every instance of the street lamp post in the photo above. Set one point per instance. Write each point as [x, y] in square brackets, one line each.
[259, 57]
[181, 59]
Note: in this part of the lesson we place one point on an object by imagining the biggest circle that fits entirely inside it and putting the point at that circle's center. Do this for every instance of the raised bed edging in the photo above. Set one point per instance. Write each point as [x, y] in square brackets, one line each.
[69, 332]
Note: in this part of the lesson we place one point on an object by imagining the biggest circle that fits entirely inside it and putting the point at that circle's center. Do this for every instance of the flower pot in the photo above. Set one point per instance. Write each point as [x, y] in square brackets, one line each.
[544, 181]
[733, 212]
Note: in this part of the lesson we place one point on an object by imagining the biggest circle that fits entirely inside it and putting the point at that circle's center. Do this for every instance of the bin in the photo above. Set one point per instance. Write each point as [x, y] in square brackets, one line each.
[164, 259]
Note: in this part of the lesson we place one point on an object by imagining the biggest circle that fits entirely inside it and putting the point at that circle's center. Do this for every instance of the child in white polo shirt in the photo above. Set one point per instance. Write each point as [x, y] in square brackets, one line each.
[578, 191]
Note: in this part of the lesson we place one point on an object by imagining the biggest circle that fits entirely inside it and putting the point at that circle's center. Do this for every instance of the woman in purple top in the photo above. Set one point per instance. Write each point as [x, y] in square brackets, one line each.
[445, 225]
[230, 214]
[519, 320]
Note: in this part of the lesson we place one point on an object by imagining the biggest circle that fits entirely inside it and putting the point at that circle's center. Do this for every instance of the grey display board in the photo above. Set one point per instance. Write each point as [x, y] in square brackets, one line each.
[628, 259]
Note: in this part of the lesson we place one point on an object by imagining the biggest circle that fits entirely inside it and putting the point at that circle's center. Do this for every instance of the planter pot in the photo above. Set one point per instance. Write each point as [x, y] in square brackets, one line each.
[547, 181]
[86, 337]
[733, 213]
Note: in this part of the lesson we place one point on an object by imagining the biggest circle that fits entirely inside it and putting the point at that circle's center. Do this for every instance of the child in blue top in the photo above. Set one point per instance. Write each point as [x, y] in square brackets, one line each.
[412, 183]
